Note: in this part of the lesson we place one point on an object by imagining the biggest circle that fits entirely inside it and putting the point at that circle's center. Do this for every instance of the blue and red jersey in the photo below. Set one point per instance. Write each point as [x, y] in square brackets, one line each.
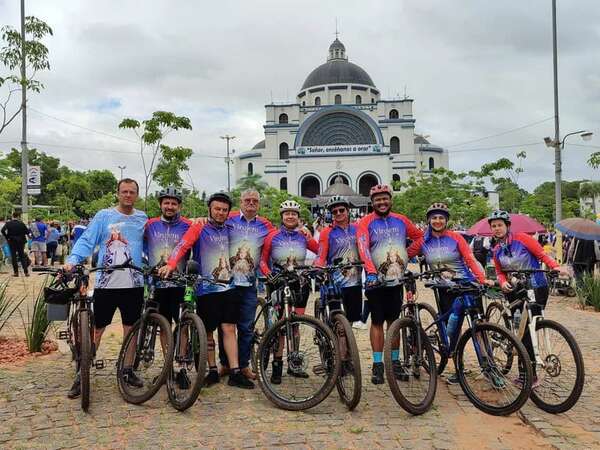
[160, 239]
[286, 248]
[521, 251]
[210, 249]
[449, 250]
[246, 239]
[382, 244]
[336, 242]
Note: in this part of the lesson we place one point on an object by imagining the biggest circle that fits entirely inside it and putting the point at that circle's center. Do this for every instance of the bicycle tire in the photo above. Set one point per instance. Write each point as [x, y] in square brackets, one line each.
[503, 319]
[199, 362]
[522, 358]
[579, 379]
[128, 396]
[343, 330]
[264, 352]
[433, 332]
[258, 334]
[395, 386]
[85, 357]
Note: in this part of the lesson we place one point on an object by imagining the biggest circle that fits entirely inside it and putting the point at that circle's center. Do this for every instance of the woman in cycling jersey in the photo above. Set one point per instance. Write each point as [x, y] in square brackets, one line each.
[446, 249]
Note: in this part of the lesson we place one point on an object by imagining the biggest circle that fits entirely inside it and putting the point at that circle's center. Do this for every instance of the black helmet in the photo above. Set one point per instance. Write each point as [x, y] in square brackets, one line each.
[438, 208]
[221, 196]
[170, 192]
[337, 200]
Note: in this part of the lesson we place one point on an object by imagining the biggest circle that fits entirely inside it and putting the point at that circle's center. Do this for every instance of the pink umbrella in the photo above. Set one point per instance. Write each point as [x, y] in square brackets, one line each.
[520, 223]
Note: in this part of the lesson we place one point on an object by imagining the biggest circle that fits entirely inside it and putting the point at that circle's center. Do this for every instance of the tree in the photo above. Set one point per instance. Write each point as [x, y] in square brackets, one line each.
[594, 160]
[590, 189]
[540, 204]
[151, 133]
[172, 162]
[36, 59]
[253, 181]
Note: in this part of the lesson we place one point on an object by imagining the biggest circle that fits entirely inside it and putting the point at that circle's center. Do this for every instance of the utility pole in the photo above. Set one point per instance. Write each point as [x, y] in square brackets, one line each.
[122, 169]
[228, 160]
[557, 145]
[24, 151]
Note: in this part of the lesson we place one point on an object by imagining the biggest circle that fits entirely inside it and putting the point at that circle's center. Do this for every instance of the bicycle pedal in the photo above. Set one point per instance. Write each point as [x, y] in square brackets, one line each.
[99, 364]
[63, 335]
[319, 369]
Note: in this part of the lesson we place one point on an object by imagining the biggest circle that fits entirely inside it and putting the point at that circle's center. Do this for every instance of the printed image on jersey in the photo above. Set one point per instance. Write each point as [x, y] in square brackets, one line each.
[242, 263]
[288, 252]
[117, 251]
[222, 271]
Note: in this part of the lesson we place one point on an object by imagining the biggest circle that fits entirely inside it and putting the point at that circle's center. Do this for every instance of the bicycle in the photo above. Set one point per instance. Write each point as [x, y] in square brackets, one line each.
[482, 367]
[140, 354]
[71, 288]
[329, 308]
[304, 343]
[412, 376]
[190, 345]
[545, 338]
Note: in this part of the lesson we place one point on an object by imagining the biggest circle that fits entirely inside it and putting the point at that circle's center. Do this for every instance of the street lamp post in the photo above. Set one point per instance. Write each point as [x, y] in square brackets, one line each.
[122, 168]
[228, 160]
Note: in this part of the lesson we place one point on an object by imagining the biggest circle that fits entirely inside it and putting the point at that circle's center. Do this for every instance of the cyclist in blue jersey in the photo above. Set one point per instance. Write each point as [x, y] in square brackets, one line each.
[119, 232]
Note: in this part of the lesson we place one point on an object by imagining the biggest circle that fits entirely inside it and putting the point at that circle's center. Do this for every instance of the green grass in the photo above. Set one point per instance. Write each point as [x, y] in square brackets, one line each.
[8, 305]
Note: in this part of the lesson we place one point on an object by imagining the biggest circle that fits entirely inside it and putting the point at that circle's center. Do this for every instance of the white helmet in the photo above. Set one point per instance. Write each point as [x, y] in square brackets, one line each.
[289, 205]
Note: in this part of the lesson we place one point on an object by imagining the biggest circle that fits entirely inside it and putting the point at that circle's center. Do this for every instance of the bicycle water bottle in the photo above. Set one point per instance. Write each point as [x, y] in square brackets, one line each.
[517, 319]
[453, 324]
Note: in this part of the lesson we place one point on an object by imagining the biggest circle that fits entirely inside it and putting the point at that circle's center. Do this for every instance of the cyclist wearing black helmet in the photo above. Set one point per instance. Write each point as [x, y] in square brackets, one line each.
[217, 304]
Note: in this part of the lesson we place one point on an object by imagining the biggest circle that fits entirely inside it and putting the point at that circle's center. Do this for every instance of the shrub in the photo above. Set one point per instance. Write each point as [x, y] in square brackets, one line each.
[36, 326]
[588, 291]
[8, 305]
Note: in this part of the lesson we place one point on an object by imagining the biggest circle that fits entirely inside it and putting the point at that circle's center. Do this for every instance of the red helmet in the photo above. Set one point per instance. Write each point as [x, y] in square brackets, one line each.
[380, 189]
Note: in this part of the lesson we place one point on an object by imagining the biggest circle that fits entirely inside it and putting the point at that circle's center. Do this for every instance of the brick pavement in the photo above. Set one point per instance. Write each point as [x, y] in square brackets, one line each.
[35, 413]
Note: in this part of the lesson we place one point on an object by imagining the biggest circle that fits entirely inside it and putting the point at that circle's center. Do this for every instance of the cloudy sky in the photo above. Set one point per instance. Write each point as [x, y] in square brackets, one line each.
[476, 71]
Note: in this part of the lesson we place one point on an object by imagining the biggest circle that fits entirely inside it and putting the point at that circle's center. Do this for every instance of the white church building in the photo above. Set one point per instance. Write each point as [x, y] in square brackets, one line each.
[339, 126]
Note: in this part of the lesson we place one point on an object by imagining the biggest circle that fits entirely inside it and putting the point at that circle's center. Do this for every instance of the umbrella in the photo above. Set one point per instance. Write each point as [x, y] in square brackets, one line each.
[580, 228]
[520, 223]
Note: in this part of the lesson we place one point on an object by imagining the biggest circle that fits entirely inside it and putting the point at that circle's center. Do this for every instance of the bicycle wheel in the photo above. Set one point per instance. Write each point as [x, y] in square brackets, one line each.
[428, 318]
[497, 314]
[412, 377]
[147, 353]
[481, 369]
[349, 383]
[185, 380]
[306, 347]
[562, 375]
[85, 356]
[261, 324]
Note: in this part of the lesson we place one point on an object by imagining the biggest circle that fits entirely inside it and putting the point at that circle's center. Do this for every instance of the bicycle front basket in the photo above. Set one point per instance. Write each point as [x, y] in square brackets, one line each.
[56, 296]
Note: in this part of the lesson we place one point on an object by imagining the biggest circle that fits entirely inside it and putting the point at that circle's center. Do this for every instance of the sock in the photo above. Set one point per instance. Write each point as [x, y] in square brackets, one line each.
[395, 355]
[377, 357]
[213, 369]
[234, 370]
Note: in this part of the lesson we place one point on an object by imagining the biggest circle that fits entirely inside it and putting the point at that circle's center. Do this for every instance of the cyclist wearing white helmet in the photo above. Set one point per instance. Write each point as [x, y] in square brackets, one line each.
[338, 241]
[287, 247]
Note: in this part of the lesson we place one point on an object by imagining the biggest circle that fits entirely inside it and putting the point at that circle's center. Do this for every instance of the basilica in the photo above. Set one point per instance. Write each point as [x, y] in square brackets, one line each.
[339, 130]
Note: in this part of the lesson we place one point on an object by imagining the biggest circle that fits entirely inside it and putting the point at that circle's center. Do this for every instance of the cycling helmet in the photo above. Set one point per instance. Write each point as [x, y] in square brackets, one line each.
[499, 214]
[170, 192]
[221, 196]
[380, 189]
[438, 208]
[337, 200]
[289, 205]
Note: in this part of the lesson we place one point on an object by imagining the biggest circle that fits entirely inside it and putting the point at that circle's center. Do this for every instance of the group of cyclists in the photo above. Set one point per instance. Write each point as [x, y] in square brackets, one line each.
[232, 247]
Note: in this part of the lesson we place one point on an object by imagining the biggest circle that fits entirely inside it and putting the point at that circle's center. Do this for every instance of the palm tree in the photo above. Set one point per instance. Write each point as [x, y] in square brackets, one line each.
[253, 181]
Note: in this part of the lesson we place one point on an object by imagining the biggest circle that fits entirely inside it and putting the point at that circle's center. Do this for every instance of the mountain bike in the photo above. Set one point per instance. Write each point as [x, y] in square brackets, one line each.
[330, 309]
[483, 368]
[70, 289]
[409, 359]
[304, 344]
[554, 353]
[142, 354]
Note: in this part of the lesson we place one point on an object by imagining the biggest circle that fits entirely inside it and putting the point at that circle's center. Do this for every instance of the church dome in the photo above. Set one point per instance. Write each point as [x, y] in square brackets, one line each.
[337, 69]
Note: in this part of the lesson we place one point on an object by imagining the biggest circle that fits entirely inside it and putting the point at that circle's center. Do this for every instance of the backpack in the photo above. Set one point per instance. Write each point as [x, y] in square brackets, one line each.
[35, 230]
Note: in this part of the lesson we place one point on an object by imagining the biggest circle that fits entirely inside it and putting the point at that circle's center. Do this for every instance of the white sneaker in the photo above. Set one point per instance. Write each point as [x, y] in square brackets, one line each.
[360, 325]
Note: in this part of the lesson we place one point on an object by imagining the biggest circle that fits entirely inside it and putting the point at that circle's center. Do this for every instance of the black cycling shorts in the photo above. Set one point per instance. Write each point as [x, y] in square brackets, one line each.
[352, 297]
[219, 307]
[128, 300]
[385, 303]
[446, 300]
[168, 300]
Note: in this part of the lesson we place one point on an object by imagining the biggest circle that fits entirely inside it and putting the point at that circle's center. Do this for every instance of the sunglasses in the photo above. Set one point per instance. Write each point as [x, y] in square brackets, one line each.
[338, 210]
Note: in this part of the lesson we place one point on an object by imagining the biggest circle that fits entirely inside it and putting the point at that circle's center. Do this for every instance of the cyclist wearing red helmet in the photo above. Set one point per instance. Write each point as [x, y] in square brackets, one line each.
[382, 238]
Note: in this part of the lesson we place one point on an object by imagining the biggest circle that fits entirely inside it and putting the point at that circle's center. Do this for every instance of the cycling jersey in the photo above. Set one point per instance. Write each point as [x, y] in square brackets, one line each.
[210, 246]
[160, 239]
[285, 247]
[77, 232]
[38, 231]
[382, 244]
[448, 250]
[119, 237]
[336, 242]
[246, 239]
[521, 251]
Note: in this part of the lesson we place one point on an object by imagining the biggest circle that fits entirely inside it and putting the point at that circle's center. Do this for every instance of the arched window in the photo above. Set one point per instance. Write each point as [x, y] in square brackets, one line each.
[283, 118]
[337, 99]
[395, 177]
[284, 151]
[283, 184]
[317, 101]
[310, 186]
[394, 114]
[303, 103]
[366, 182]
[372, 100]
[250, 169]
[394, 145]
[431, 163]
[358, 100]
